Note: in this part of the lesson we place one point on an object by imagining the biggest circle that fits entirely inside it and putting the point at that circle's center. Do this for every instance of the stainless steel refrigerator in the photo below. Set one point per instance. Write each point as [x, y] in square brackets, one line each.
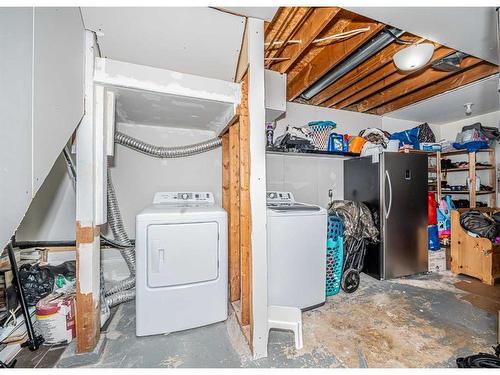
[394, 186]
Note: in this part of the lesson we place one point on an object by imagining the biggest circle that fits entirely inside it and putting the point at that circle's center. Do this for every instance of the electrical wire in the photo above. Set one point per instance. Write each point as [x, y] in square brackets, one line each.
[344, 35]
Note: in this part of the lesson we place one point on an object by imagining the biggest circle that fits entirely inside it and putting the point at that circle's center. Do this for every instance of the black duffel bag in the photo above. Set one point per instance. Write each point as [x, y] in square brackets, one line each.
[478, 223]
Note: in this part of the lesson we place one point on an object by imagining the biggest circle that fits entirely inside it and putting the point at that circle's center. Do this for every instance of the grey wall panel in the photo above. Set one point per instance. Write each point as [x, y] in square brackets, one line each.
[58, 84]
[15, 117]
[136, 177]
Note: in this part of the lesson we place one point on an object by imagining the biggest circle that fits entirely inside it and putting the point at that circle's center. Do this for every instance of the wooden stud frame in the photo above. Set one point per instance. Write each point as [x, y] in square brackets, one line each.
[243, 161]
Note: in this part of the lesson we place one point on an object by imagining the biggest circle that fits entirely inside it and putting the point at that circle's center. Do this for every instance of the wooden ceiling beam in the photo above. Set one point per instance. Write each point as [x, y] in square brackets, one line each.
[373, 63]
[317, 21]
[377, 81]
[457, 80]
[328, 57]
[408, 85]
[300, 16]
[278, 26]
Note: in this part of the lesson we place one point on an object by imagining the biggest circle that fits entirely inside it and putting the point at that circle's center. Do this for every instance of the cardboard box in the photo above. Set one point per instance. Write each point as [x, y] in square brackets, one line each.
[437, 260]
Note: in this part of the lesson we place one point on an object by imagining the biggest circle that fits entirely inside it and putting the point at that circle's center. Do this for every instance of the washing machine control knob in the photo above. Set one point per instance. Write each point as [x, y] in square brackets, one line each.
[184, 196]
[272, 195]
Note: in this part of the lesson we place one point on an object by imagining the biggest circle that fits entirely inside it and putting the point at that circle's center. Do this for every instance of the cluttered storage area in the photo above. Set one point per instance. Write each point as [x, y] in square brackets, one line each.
[250, 187]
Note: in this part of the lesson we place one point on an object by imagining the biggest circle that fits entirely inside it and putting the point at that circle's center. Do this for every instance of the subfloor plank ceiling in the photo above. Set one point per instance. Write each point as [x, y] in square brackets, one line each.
[376, 85]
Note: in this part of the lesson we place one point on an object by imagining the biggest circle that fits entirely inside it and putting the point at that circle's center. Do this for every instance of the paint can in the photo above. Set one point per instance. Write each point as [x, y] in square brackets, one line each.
[55, 315]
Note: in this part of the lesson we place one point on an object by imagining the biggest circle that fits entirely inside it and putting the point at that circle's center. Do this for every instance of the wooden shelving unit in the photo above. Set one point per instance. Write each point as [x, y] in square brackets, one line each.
[471, 170]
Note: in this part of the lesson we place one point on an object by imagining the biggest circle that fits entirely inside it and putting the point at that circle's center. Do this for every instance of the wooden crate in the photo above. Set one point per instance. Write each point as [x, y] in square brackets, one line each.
[473, 256]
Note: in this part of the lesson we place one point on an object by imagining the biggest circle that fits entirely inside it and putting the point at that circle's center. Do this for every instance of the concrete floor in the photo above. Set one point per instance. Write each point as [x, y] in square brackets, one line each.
[421, 321]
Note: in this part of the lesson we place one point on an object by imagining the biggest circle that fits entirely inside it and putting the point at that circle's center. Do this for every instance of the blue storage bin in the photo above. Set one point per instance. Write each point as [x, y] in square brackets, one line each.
[334, 255]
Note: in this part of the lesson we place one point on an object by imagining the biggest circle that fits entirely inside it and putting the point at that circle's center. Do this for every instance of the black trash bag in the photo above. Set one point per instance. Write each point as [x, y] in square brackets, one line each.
[480, 224]
[38, 281]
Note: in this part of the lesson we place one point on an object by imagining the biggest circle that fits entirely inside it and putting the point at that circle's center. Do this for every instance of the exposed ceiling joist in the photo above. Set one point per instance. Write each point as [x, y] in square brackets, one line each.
[470, 75]
[313, 26]
[292, 22]
[330, 56]
[407, 86]
[378, 80]
[363, 70]
[375, 85]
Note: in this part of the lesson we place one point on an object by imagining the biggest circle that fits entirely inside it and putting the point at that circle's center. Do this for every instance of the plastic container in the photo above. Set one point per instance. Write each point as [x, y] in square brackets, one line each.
[270, 134]
[336, 142]
[55, 315]
[392, 146]
[334, 255]
[356, 144]
[433, 237]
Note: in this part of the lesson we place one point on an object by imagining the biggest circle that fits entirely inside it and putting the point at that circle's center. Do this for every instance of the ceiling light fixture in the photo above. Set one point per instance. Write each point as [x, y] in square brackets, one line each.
[468, 108]
[413, 57]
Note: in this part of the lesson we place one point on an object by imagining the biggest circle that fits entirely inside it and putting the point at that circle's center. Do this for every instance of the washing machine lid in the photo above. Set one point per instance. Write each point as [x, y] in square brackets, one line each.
[283, 202]
[293, 207]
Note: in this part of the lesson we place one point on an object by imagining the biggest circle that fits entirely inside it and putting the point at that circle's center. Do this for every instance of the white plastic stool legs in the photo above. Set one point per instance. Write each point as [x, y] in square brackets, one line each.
[288, 318]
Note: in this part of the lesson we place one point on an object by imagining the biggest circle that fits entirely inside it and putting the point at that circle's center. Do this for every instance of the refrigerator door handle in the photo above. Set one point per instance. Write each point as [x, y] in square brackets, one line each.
[388, 209]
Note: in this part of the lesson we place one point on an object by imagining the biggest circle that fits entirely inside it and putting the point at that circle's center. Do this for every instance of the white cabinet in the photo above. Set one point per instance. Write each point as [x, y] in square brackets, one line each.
[275, 94]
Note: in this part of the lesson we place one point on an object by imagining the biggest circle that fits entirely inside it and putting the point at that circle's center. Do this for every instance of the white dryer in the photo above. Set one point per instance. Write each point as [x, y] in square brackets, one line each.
[181, 256]
[296, 248]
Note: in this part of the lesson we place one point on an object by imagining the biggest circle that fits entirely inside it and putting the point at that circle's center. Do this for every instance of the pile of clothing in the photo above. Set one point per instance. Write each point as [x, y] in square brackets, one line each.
[475, 137]
[481, 225]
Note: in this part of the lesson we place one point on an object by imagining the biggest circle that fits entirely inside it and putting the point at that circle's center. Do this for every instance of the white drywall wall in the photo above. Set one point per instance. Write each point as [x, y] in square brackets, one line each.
[51, 215]
[347, 122]
[16, 46]
[58, 84]
[195, 40]
[41, 100]
[136, 177]
[449, 131]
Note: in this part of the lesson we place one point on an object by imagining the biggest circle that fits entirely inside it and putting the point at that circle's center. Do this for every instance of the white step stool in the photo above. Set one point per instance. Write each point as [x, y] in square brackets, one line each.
[288, 318]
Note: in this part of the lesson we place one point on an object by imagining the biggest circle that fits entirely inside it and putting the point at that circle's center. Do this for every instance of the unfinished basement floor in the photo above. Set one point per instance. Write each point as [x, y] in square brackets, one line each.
[421, 321]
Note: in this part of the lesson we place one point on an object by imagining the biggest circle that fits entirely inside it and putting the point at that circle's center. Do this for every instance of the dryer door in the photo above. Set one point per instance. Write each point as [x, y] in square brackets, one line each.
[183, 253]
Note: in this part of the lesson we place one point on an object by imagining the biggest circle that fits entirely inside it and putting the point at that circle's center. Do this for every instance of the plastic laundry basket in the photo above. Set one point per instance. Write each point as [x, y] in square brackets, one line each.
[334, 255]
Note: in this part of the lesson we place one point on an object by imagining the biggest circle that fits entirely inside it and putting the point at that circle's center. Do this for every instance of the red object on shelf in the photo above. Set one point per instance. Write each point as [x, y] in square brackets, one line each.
[432, 206]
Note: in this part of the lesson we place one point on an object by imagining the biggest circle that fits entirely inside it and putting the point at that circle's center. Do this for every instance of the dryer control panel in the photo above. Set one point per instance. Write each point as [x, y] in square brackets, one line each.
[176, 197]
[277, 198]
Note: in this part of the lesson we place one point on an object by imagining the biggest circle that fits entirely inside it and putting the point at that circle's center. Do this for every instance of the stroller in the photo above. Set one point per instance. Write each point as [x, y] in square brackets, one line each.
[359, 229]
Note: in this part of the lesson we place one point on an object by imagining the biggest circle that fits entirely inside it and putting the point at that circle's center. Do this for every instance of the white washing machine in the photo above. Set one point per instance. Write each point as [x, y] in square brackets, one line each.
[181, 256]
[296, 248]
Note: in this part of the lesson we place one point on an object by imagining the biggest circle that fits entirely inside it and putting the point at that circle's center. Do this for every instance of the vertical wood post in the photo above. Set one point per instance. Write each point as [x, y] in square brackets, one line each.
[245, 209]
[493, 177]
[87, 231]
[234, 216]
[472, 179]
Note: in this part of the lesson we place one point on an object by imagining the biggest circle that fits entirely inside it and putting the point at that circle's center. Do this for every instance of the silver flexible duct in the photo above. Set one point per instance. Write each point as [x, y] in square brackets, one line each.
[120, 297]
[166, 152]
[122, 291]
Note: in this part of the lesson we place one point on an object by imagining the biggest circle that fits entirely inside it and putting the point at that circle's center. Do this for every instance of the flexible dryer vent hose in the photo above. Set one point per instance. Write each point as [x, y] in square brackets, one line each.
[123, 291]
[166, 152]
